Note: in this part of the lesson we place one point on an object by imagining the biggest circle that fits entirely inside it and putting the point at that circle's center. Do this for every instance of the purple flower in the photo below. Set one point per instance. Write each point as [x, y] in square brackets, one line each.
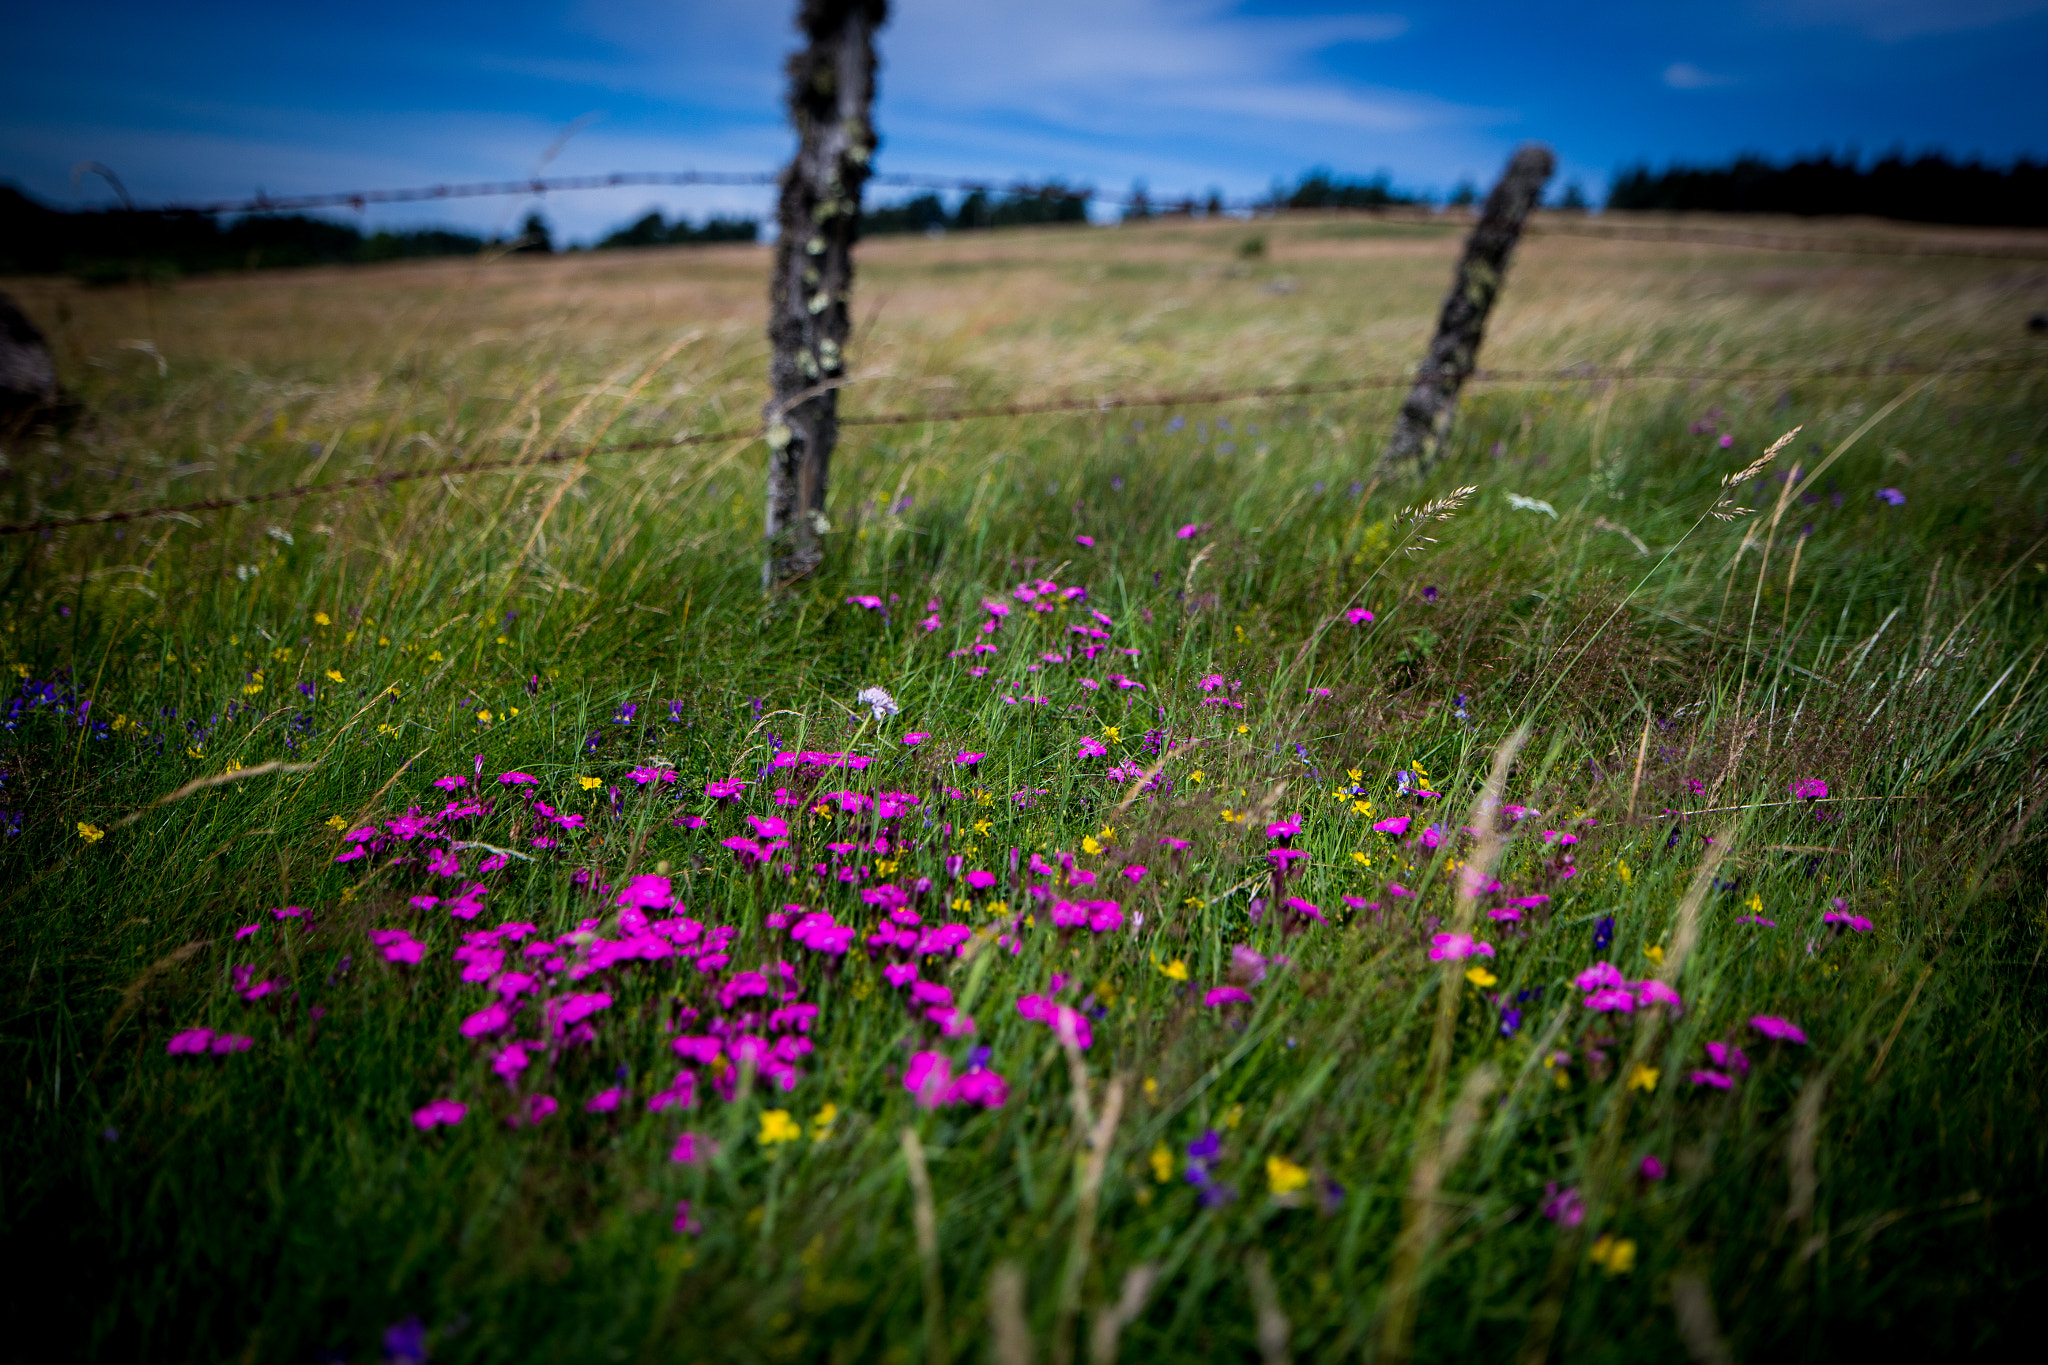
[405, 1342]
[1651, 1168]
[1891, 496]
[1219, 996]
[1455, 947]
[1398, 825]
[1358, 616]
[437, 1112]
[1772, 1026]
[1807, 789]
[1563, 1206]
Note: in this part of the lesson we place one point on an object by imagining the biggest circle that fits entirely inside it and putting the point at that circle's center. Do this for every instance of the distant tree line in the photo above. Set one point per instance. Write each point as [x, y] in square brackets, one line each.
[1925, 189]
[117, 245]
[653, 230]
[1052, 202]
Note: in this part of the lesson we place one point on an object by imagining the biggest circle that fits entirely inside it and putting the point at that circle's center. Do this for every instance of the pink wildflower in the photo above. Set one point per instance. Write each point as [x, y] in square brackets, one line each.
[1456, 947]
[1773, 1026]
[1358, 616]
[435, 1113]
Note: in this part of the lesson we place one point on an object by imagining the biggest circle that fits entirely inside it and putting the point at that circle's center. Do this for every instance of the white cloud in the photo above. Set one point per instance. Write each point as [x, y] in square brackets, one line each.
[1686, 76]
[1891, 21]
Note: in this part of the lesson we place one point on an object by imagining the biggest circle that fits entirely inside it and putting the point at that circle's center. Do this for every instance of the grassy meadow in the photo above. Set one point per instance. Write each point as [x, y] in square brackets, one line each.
[473, 922]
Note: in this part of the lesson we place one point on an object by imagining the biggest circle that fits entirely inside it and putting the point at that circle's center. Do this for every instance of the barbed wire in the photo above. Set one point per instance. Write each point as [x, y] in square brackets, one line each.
[1552, 224]
[1575, 374]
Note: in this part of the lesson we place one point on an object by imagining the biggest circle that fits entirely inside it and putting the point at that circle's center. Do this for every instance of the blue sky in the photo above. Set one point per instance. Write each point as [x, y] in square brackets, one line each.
[218, 99]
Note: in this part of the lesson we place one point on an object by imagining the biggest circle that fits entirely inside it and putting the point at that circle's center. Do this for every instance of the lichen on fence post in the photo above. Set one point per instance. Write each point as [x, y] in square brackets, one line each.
[831, 96]
[1453, 353]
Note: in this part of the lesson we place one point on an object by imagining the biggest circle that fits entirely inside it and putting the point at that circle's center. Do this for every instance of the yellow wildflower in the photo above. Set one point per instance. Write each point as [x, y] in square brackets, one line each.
[1616, 1255]
[1196, 776]
[1090, 845]
[1283, 1176]
[484, 716]
[1152, 1089]
[1643, 1077]
[334, 675]
[1655, 952]
[1623, 871]
[92, 834]
[1176, 970]
[1113, 733]
[778, 1126]
[983, 826]
[821, 1122]
[1481, 977]
[588, 783]
[1362, 807]
[1244, 729]
[336, 822]
[1233, 1116]
[1162, 1163]
[320, 618]
[1355, 774]
[1360, 859]
[885, 866]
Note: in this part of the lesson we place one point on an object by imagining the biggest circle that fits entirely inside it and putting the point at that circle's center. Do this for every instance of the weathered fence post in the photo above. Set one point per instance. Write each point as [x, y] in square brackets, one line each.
[831, 94]
[1454, 351]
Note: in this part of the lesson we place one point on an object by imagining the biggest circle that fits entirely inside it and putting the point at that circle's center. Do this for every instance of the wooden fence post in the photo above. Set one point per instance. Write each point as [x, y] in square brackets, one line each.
[1453, 353]
[831, 95]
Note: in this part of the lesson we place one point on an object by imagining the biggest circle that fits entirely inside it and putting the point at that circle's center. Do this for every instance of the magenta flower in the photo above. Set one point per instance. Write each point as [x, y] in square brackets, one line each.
[1657, 993]
[1281, 857]
[1068, 1024]
[1807, 789]
[1855, 923]
[449, 784]
[1177, 845]
[980, 880]
[1601, 975]
[1651, 1168]
[691, 1149]
[1135, 873]
[605, 1101]
[1091, 747]
[1189, 531]
[916, 737]
[685, 1224]
[724, 791]
[1085, 542]
[647, 892]
[1306, 910]
[968, 760]
[490, 1019]
[1728, 1057]
[1397, 826]
[1563, 1206]
[1711, 1078]
[1218, 996]
[245, 931]
[435, 1113]
[1615, 1000]
[192, 1042]
[1772, 1026]
[1457, 947]
[517, 780]
[871, 603]
[1285, 828]
[1358, 616]
[768, 826]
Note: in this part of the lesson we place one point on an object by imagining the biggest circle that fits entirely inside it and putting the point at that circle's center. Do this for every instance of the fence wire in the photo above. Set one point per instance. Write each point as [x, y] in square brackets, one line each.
[1576, 374]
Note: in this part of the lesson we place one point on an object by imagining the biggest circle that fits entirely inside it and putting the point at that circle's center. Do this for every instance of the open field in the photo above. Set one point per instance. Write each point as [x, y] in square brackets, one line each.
[529, 1035]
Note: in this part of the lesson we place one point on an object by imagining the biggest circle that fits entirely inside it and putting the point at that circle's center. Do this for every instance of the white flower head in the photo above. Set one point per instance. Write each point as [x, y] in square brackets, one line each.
[878, 701]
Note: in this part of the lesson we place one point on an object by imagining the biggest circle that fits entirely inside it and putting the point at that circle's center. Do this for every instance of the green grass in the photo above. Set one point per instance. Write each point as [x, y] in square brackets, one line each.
[1875, 1188]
